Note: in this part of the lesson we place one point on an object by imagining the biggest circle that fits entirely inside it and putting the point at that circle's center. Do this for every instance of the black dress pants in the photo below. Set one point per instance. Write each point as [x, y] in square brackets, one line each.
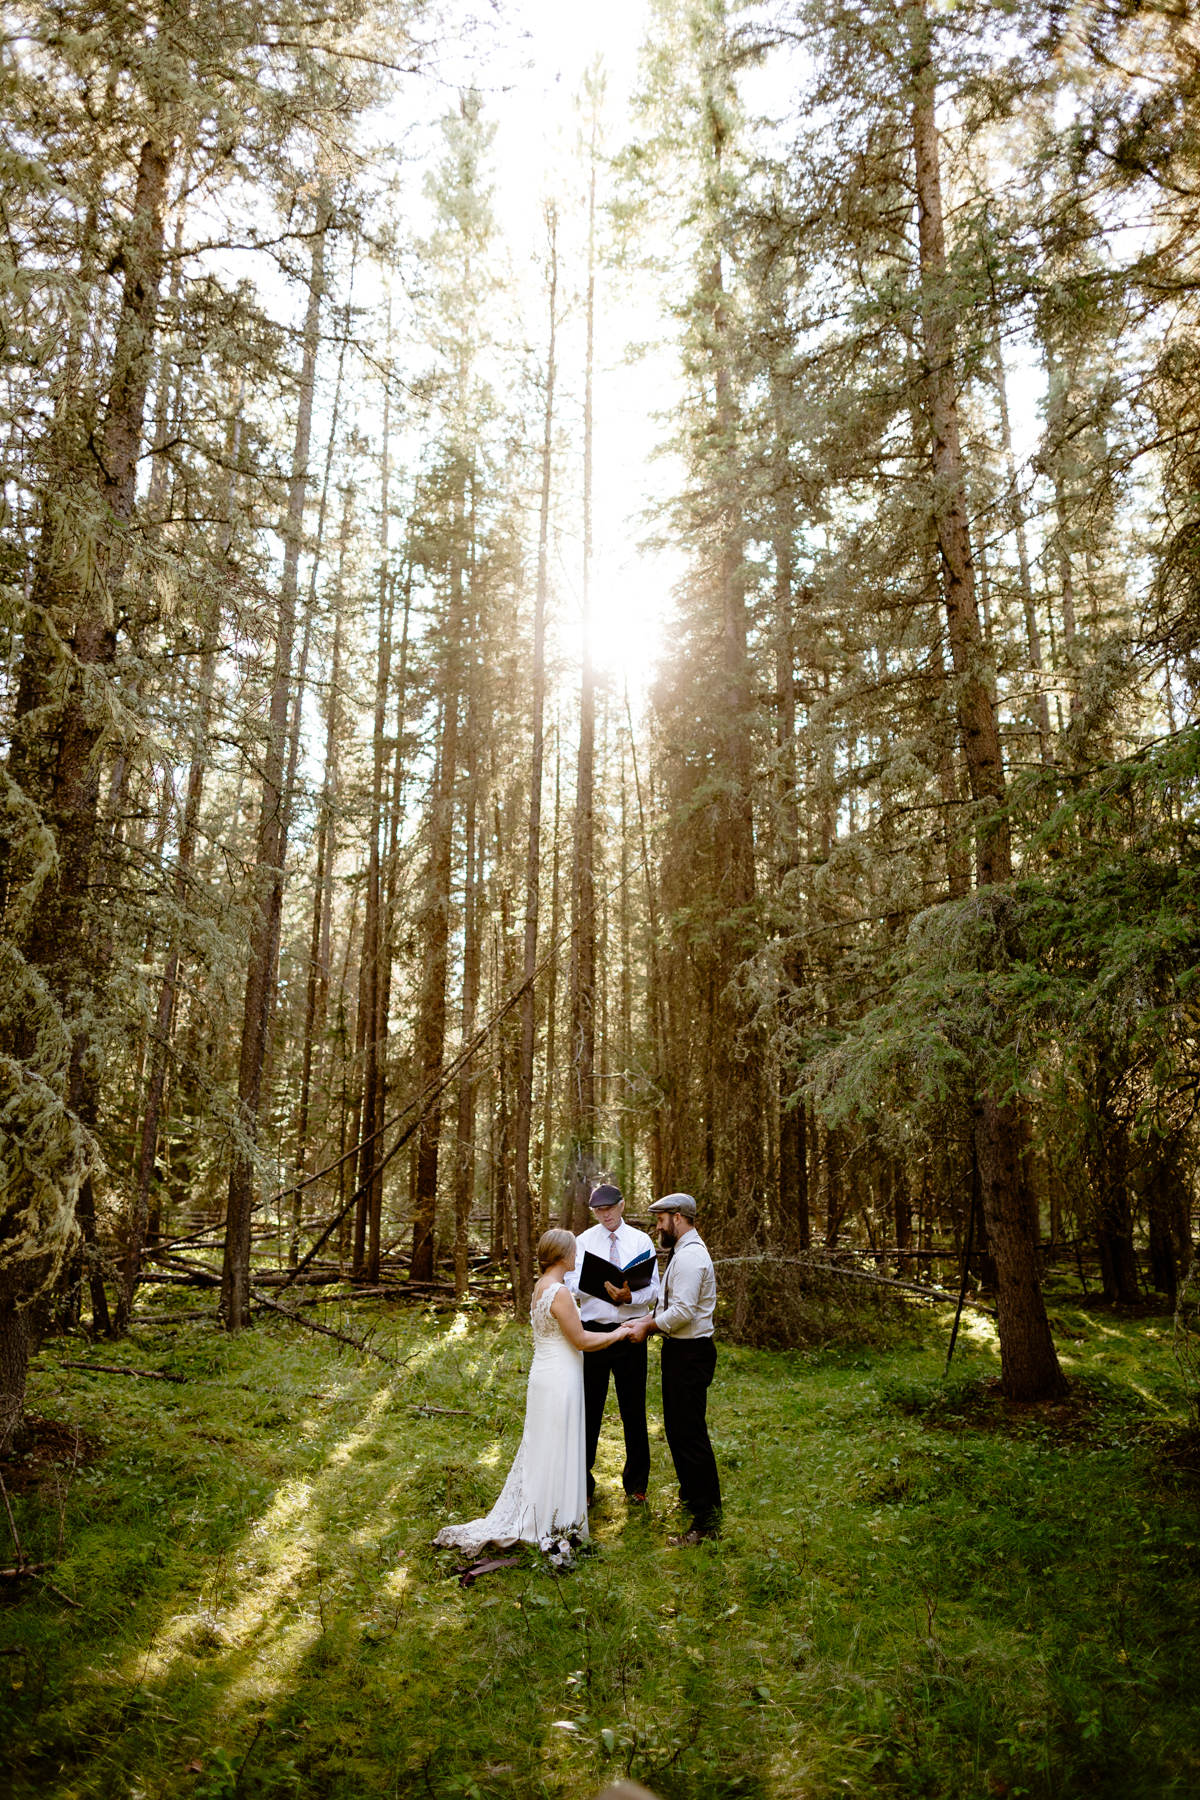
[626, 1363]
[688, 1365]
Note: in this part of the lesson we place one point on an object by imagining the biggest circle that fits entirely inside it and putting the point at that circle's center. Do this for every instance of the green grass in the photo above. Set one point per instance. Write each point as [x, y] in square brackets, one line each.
[918, 1592]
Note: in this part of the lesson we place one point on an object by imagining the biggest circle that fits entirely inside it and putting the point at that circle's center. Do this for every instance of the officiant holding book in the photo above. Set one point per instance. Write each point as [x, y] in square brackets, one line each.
[615, 1278]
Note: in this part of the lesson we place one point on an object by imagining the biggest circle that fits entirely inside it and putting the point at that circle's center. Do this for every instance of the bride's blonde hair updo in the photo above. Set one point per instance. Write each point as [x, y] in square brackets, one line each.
[554, 1246]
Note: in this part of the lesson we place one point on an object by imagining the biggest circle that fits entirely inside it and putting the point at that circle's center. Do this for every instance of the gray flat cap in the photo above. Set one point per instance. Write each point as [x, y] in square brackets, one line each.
[680, 1203]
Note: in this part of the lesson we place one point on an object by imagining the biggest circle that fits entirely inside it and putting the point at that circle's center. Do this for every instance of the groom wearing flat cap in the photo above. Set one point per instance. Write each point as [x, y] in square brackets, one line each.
[689, 1358]
[619, 1243]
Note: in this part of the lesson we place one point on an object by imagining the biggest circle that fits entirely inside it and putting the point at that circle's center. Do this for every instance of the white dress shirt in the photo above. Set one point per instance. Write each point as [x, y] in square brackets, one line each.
[689, 1287]
[618, 1247]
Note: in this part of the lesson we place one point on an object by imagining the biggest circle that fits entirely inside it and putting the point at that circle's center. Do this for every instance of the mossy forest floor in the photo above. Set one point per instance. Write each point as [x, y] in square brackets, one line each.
[917, 1593]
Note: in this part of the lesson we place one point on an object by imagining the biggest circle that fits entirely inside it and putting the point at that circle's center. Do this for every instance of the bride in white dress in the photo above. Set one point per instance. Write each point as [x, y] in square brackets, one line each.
[545, 1495]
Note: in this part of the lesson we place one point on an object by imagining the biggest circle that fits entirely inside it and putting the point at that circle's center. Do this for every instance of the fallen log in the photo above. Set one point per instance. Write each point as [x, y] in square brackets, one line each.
[310, 1278]
[95, 1368]
[168, 1278]
[181, 1262]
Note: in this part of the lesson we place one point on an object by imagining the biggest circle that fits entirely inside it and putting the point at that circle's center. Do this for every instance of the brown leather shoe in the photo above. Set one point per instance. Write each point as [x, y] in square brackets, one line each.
[636, 1499]
[688, 1539]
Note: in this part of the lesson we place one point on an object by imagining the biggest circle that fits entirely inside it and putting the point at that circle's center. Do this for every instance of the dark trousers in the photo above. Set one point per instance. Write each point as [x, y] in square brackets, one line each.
[626, 1363]
[688, 1365]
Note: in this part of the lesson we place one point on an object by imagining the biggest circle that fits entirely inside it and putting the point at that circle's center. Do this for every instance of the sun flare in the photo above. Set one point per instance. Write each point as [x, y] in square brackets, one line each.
[627, 631]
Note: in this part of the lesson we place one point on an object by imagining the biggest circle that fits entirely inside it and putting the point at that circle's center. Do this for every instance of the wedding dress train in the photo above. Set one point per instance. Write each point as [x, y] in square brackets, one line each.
[545, 1495]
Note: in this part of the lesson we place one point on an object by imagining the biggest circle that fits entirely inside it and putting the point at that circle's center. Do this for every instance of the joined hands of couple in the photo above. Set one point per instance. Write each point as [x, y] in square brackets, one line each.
[634, 1331]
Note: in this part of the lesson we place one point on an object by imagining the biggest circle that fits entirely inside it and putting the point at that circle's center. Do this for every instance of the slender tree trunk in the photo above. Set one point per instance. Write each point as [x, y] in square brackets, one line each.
[322, 810]
[168, 388]
[390, 900]
[949, 774]
[1109, 1168]
[581, 1044]
[509, 1055]
[1030, 1369]
[523, 1123]
[977, 715]
[740, 1098]
[655, 999]
[835, 1198]
[548, 1085]
[430, 1035]
[604, 963]
[368, 1226]
[93, 1266]
[271, 846]
[626, 1137]
[468, 1081]
[131, 1261]
[348, 1097]
[316, 986]
[901, 1214]
[1056, 408]
[467, 1100]
[358, 1123]
[792, 1207]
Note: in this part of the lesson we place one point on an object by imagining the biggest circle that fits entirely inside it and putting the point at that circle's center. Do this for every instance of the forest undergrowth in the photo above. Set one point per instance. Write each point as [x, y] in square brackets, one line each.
[918, 1591]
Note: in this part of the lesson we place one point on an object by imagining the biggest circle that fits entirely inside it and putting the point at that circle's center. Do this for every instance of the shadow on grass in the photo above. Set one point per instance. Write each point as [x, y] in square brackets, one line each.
[957, 1613]
[263, 1612]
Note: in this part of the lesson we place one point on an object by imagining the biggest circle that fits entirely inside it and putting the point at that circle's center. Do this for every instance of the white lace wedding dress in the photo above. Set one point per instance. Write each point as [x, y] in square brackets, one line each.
[546, 1491]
